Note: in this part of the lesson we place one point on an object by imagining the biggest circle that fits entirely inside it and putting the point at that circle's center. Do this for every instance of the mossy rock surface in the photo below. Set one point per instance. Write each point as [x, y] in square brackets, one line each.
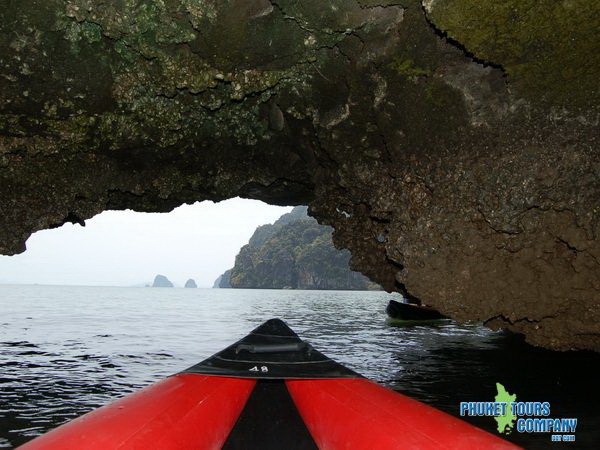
[549, 50]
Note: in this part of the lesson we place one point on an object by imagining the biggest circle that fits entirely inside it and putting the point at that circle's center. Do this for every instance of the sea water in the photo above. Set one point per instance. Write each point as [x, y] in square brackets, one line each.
[66, 350]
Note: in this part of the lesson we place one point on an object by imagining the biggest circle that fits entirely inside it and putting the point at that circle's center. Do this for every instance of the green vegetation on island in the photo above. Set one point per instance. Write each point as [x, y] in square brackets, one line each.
[295, 252]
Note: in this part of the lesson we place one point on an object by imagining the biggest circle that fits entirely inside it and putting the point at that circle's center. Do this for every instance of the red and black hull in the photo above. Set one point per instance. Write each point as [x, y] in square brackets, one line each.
[269, 391]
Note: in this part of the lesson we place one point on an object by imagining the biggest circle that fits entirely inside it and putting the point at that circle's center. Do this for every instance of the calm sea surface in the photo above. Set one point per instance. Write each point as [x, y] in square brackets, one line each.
[67, 350]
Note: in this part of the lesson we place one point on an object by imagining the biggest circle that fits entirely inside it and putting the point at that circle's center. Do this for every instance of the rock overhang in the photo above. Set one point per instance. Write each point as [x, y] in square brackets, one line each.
[452, 144]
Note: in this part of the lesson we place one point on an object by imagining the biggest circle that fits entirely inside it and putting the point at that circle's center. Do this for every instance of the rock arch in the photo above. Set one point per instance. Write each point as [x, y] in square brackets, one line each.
[455, 155]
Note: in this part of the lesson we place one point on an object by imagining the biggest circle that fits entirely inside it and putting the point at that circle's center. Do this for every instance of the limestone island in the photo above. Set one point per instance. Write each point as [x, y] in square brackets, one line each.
[191, 284]
[161, 281]
[295, 252]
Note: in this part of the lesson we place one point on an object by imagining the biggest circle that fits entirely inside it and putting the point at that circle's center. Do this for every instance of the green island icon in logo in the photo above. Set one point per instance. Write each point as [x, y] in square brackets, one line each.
[505, 422]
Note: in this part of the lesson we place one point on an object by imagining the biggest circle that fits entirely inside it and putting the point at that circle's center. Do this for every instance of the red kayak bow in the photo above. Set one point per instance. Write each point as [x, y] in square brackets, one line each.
[270, 390]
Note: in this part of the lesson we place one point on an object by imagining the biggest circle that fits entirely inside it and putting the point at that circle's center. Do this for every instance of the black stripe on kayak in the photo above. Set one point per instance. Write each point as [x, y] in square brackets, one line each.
[270, 420]
[272, 351]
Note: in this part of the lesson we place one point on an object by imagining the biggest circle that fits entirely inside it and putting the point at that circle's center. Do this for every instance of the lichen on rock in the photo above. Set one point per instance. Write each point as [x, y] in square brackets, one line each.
[549, 51]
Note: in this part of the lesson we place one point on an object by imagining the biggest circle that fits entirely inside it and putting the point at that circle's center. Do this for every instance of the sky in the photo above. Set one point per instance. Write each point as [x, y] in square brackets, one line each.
[127, 248]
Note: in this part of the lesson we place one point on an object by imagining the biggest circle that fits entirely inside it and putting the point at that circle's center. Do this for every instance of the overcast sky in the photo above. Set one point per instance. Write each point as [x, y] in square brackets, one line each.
[124, 248]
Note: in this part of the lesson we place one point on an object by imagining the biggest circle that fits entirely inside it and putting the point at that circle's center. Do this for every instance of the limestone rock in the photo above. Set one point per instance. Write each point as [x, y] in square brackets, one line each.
[295, 252]
[455, 154]
[162, 281]
[223, 281]
[190, 283]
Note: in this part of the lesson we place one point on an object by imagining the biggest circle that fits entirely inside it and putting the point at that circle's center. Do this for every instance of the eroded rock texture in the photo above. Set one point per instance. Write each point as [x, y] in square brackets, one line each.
[452, 144]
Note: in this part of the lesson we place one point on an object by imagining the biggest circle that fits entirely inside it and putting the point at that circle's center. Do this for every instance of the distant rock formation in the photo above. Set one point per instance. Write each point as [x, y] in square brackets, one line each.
[223, 281]
[161, 281]
[295, 252]
[190, 283]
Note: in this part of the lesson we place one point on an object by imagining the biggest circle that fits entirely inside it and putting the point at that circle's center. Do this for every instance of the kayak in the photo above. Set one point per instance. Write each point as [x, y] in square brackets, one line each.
[409, 312]
[270, 390]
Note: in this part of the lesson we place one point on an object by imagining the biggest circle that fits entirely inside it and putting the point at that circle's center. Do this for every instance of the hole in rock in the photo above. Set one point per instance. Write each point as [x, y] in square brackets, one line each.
[127, 248]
